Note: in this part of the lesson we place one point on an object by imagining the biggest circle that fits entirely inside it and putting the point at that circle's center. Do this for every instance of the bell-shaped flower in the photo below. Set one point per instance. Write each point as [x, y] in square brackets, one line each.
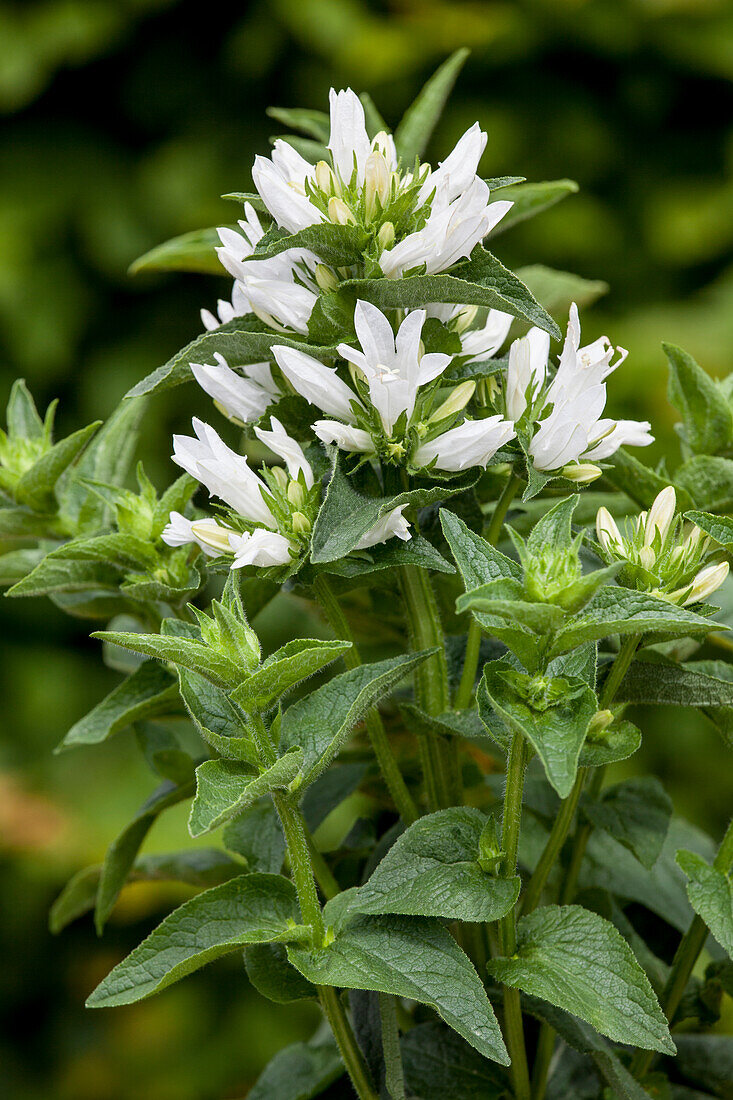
[260, 547]
[240, 398]
[458, 171]
[392, 366]
[345, 436]
[526, 371]
[208, 535]
[316, 382]
[478, 342]
[393, 525]
[472, 443]
[225, 474]
[573, 430]
[452, 230]
[288, 449]
[281, 185]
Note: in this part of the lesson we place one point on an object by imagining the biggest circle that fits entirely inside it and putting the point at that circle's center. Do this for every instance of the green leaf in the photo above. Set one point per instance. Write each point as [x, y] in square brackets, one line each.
[655, 679]
[531, 199]
[195, 251]
[314, 124]
[217, 719]
[637, 813]
[438, 1064]
[122, 852]
[359, 568]
[419, 120]
[578, 961]
[225, 788]
[347, 514]
[21, 523]
[432, 870]
[706, 415]
[478, 561]
[705, 481]
[557, 290]
[256, 834]
[36, 487]
[293, 662]
[556, 730]
[201, 867]
[107, 459]
[338, 245]
[481, 281]
[53, 575]
[320, 723]
[640, 482]
[706, 1060]
[21, 414]
[711, 896]
[300, 1071]
[188, 653]
[241, 340]
[148, 692]
[585, 1039]
[415, 958]
[615, 610]
[618, 742]
[248, 909]
[274, 976]
[720, 528]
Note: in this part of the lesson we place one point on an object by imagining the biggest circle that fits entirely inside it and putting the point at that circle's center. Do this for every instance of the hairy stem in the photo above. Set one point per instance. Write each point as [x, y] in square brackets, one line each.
[386, 759]
[473, 642]
[511, 824]
[439, 758]
[687, 954]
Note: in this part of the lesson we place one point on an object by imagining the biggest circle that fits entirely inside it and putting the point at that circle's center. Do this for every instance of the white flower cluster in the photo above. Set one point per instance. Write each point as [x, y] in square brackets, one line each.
[389, 399]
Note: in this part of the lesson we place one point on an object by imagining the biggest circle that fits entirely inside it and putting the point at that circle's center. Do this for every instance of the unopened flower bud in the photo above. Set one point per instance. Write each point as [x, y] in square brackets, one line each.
[325, 277]
[607, 531]
[707, 581]
[660, 515]
[377, 180]
[647, 557]
[386, 235]
[599, 723]
[325, 180]
[280, 476]
[464, 318]
[338, 212]
[582, 472]
[296, 495]
[213, 534]
[301, 524]
[456, 400]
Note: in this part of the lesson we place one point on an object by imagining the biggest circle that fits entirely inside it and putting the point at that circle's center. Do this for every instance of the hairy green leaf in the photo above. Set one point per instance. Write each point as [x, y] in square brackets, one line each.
[225, 788]
[256, 834]
[300, 1071]
[578, 961]
[274, 976]
[439, 1064]
[36, 487]
[148, 692]
[637, 813]
[531, 199]
[293, 662]
[711, 896]
[706, 415]
[195, 251]
[419, 120]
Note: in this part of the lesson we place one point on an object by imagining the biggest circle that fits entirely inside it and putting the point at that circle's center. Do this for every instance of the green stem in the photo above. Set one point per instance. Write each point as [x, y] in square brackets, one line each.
[324, 875]
[555, 843]
[687, 954]
[511, 824]
[473, 642]
[439, 758]
[301, 866]
[394, 1075]
[386, 759]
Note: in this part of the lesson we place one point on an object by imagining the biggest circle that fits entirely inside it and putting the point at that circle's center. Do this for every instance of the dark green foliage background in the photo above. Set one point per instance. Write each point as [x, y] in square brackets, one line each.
[123, 122]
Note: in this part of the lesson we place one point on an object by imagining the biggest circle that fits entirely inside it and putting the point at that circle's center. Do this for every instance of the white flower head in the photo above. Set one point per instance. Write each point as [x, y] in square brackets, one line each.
[225, 474]
[345, 436]
[242, 399]
[573, 430]
[208, 534]
[316, 382]
[472, 443]
[261, 547]
[393, 525]
[288, 449]
[392, 366]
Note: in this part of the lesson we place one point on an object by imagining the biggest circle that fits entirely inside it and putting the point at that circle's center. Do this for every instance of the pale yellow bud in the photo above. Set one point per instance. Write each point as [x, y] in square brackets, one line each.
[647, 557]
[456, 400]
[607, 531]
[213, 534]
[386, 235]
[296, 494]
[660, 515]
[280, 476]
[707, 581]
[325, 277]
[377, 182]
[581, 472]
[325, 180]
[339, 213]
[301, 524]
[464, 318]
[599, 723]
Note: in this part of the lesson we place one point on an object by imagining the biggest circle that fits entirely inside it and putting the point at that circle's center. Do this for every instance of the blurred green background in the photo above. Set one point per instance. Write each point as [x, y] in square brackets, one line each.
[123, 121]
